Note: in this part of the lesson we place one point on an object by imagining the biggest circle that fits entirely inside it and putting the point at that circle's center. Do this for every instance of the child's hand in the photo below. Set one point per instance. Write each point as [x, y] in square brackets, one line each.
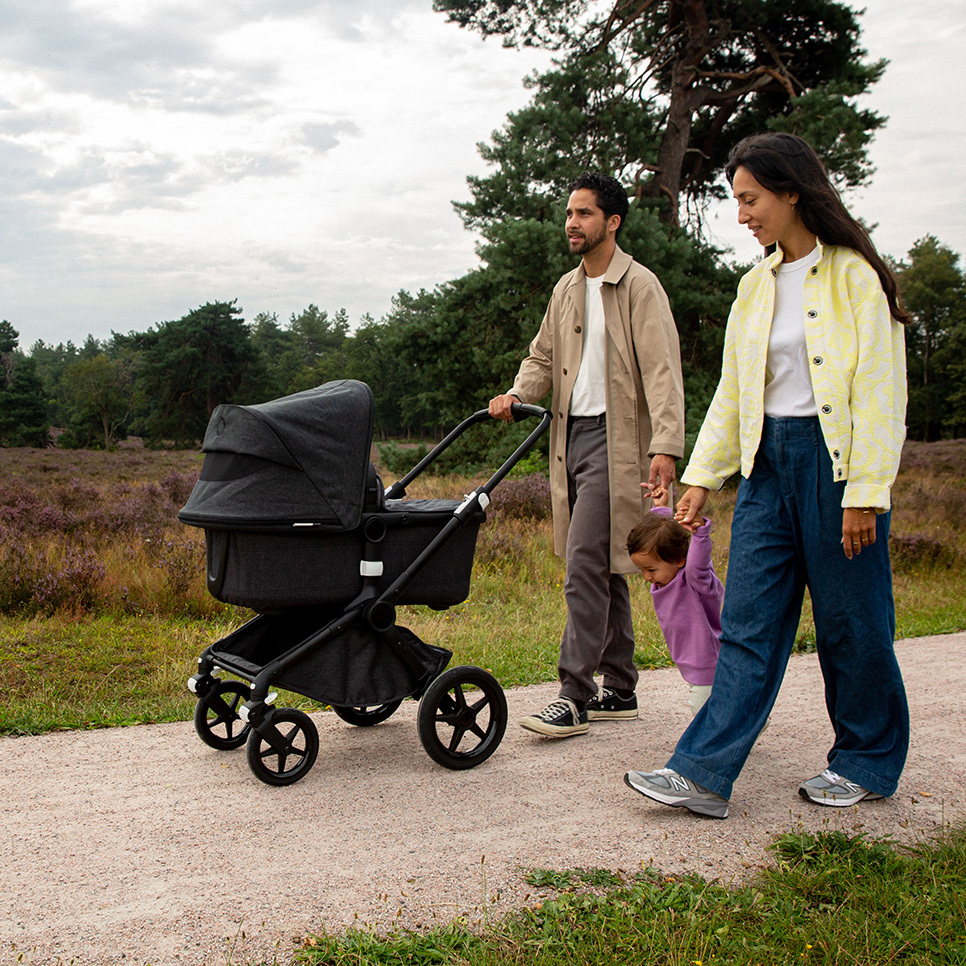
[657, 493]
[689, 508]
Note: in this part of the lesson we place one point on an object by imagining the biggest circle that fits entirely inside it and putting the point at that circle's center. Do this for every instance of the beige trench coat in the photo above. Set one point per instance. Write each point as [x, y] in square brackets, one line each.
[645, 392]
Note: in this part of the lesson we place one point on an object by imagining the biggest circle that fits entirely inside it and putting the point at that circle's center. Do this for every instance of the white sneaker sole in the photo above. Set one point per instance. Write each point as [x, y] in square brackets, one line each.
[612, 715]
[553, 731]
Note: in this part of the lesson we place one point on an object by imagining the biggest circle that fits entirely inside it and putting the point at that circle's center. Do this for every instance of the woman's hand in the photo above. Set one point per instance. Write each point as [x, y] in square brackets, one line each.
[689, 507]
[858, 529]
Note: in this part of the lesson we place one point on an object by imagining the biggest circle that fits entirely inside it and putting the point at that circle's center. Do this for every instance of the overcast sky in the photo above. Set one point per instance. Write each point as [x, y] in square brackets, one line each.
[159, 154]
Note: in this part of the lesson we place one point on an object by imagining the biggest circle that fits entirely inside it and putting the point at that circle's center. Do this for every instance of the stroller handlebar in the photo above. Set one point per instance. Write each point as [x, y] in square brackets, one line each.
[522, 411]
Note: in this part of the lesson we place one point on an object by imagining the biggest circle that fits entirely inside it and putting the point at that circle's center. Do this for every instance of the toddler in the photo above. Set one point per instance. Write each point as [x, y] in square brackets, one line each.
[686, 591]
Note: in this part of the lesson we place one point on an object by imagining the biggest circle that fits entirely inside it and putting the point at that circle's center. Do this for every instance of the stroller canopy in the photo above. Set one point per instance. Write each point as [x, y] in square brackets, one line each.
[299, 459]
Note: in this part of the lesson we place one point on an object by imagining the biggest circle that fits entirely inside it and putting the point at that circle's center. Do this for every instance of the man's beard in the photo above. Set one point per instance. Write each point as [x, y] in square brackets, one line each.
[588, 243]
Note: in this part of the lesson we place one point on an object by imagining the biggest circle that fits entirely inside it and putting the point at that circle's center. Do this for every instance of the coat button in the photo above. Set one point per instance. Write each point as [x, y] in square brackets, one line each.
[818, 360]
[812, 314]
[839, 473]
[774, 273]
[565, 372]
[826, 409]
[815, 269]
[576, 328]
[836, 453]
[559, 459]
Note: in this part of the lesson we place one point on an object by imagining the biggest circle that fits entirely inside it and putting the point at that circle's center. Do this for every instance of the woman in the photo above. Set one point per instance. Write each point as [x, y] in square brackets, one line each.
[811, 409]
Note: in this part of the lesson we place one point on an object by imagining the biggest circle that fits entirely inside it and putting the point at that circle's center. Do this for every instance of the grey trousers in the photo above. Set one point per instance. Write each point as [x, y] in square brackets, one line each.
[599, 636]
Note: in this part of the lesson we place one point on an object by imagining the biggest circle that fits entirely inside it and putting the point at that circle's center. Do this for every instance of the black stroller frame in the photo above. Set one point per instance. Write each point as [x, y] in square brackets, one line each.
[340, 646]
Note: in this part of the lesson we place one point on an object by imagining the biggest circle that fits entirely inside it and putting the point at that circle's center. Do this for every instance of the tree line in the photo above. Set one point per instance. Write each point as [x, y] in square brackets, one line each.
[654, 92]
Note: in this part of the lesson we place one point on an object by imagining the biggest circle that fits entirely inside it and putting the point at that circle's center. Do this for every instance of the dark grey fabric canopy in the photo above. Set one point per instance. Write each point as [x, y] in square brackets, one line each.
[299, 459]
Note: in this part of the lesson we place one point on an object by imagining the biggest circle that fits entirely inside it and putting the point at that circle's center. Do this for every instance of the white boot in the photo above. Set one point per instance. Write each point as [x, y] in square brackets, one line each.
[699, 694]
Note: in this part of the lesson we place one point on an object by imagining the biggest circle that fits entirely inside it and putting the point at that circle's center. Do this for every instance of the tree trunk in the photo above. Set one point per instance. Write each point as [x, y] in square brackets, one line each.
[691, 18]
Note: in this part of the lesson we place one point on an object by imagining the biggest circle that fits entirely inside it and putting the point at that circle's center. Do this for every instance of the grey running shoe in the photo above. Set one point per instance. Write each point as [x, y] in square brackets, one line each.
[559, 719]
[830, 788]
[668, 787]
[610, 706]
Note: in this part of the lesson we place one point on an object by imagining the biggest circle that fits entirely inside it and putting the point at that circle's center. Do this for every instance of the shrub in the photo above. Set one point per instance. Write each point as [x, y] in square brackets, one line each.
[71, 586]
[399, 458]
[919, 550]
[526, 498]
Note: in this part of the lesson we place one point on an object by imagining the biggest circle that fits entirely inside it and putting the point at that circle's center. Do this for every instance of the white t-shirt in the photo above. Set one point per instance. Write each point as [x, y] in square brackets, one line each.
[788, 384]
[589, 396]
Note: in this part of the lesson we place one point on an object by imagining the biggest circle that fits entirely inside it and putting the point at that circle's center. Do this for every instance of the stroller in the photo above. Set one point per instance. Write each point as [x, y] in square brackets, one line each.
[299, 529]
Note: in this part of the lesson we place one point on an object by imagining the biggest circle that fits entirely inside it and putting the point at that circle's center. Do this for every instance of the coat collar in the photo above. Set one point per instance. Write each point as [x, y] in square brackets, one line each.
[772, 261]
[619, 264]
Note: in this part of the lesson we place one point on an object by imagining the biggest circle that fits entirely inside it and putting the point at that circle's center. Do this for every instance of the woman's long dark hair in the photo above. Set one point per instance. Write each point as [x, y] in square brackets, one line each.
[787, 164]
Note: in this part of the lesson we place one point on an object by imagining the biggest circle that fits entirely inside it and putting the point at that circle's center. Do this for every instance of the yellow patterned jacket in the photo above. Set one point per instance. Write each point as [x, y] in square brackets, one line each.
[857, 363]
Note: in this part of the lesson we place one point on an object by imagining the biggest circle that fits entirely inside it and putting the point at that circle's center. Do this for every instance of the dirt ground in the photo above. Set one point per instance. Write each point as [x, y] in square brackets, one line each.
[145, 847]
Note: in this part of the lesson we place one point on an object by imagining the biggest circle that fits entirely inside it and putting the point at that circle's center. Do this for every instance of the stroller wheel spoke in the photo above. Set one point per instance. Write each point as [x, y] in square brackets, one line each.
[454, 742]
[458, 731]
[480, 705]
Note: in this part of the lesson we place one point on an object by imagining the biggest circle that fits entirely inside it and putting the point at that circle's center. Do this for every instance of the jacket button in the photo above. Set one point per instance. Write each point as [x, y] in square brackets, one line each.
[774, 273]
[815, 269]
[559, 459]
[826, 409]
[812, 314]
[839, 473]
[559, 415]
[818, 360]
[836, 453]
[576, 328]
[565, 372]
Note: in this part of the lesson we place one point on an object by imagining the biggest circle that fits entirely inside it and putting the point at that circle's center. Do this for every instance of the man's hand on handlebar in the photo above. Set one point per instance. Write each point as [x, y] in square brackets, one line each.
[500, 406]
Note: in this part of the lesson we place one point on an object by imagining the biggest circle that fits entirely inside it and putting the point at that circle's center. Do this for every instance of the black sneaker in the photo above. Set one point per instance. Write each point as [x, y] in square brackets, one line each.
[610, 706]
[559, 719]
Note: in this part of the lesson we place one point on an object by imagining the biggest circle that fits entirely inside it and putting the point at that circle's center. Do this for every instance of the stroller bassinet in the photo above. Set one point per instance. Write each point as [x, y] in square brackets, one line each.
[298, 528]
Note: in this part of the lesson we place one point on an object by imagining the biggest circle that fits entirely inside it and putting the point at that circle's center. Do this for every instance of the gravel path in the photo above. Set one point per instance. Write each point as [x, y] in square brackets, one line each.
[143, 846]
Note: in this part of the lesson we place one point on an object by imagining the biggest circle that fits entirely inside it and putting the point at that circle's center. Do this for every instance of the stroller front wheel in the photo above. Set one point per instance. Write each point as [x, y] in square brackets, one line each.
[283, 748]
[364, 717]
[217, 720]
[462, 717]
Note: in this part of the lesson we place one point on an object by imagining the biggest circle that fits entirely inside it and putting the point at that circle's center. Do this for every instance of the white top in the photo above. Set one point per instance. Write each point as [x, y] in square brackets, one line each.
[788, 383]
[590, 395]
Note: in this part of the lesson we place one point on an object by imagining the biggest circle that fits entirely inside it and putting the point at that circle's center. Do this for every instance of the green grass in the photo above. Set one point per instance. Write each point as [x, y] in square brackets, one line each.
[828, 899]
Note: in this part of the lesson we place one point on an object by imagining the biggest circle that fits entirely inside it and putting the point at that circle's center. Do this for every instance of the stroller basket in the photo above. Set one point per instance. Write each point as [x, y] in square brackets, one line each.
[298, 528]
[355, 667]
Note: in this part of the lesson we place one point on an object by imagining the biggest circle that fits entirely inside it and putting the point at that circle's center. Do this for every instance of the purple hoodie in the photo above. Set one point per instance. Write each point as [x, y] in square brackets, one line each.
[688, 609]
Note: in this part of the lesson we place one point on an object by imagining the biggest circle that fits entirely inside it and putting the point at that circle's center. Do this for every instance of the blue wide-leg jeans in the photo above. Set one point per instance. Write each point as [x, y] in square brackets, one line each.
[786, 536]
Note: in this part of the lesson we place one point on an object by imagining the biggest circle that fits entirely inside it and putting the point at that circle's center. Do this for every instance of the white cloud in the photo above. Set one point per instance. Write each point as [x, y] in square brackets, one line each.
[157, 154]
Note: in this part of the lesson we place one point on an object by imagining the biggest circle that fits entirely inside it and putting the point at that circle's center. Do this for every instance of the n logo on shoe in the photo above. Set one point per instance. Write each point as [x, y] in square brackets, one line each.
[678, 783]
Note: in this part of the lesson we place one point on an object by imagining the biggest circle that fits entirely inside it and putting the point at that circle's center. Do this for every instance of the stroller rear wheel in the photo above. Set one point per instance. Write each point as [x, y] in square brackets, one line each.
[216, 715]
[366, 716]
[284, 747]
[462, 717]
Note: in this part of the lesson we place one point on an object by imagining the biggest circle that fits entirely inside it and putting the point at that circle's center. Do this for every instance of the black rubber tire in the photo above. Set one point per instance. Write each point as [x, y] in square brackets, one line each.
[299, 747]
[216, 715]
[365, 717]
[457, 733]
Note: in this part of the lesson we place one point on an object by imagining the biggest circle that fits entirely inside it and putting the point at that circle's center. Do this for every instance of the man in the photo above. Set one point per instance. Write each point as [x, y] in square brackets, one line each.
[608, 349]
